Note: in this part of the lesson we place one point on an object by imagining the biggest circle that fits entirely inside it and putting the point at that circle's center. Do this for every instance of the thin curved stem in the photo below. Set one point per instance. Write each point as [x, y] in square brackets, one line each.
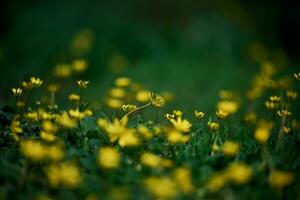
[137, 109]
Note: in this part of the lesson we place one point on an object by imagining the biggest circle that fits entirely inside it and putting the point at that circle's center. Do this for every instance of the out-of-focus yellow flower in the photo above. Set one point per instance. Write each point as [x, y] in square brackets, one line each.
[230, 148]
[76, 114]
[144, 131]
[222, 114]
[36, 82]
[82, 84]
[199, 115]
[215, 147]
[177, 113]
[227, 106]
[55, 152]
[129, 139]
[33, 150]
[263, 132]
[174, 137]
[63, 174]
[16, 128]
[114, 103]
[20, 104]
[32, 83]
[122, 82]
[291, 95]
[297, 76]
[238, 173]
[250, 117]
[79, 65]
[128, 107]
[114, 129]
[17, 91]
[286, 129]
[117, 92]
[182, 125]
[108, 157]
[274, 99]
[183, 180]
[62, 71]
[31, 116]
[280, 179]
[216, 182]
[284, 113]
[161, 187]
[53, 88]
[156, 100]
[154, 161]
[213, 126]
[225, 94]
[65, 121]
[74, 97]
[142, 96]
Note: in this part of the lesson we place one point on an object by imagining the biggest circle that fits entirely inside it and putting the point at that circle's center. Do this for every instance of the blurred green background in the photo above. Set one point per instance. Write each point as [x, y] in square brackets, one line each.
[190, 48]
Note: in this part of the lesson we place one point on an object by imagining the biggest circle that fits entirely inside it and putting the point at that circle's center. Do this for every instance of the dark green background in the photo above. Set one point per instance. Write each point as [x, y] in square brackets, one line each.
[191, 48]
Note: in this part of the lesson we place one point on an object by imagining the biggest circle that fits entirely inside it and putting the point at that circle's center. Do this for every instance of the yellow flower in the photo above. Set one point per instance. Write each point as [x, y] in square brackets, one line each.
[213, 126]
[284, 113]
[263, 131]
[65, 121]
[36, 82]
[286, 129]
[177, 113]
[297, 76]
[108, 157]
[215, 147]
[33, 150]
[156, 100]
[274, 99]
[76, 114]
[53, 88]
[144, 131]
[114, 103]
[129, 139]
[225, 94]
[74, 97]
[117, 92]
[114, 129]
[122, 82]
[174, 137]
[250, 117]
[128, 107]
[16, 128]
[55, 152]
[142, 96]
[222, 114]
[154, 161]
[230, 148]
[280, 179]
[151, 160]
[238, 173]
[183, 180]
[17, 91]
[79, 65]
[227, 106]
[291, 95]
[82, 84]
[62, 71]
[161, 187]
[271, 105]
[216, 182]
[63, 174]
[199, 115]
[169, 116]
[32, 83]
[180, 124]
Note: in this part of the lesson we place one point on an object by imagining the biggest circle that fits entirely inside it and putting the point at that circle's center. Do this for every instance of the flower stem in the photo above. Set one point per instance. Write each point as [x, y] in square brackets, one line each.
[137, 109]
